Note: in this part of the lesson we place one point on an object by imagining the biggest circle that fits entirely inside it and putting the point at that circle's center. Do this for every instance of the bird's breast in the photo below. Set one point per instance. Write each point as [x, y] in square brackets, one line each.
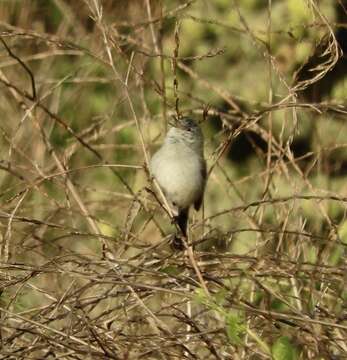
[179, 173]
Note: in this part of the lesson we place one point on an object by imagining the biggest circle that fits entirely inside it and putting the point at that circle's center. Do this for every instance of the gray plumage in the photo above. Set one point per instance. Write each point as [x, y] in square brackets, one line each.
[180, 168]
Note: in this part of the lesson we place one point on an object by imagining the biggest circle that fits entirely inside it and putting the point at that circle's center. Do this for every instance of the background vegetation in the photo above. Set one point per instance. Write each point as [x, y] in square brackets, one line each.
[86, 267]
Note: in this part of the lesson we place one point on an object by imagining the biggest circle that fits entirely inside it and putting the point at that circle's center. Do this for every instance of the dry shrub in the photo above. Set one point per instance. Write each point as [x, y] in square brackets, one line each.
[88, 88]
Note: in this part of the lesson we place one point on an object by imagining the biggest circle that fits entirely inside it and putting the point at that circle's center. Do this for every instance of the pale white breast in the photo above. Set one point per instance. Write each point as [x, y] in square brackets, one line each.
[178, 171]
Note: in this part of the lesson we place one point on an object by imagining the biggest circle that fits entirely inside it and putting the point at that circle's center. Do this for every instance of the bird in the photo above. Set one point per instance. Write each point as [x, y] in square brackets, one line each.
[179, 167]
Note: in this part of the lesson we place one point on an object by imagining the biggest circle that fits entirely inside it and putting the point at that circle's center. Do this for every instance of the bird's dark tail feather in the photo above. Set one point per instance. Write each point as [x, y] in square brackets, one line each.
[182, 222]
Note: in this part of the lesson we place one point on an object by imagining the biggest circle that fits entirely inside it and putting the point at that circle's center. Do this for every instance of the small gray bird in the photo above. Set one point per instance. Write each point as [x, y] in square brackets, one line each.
[180, 168]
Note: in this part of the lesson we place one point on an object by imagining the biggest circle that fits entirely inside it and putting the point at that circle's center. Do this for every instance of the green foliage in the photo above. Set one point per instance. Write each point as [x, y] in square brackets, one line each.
[278, 305]
[343, 232]
[171, 270]
[299, 12]
[336, 254]
[235, 328]
[234, 323]
[282, 349]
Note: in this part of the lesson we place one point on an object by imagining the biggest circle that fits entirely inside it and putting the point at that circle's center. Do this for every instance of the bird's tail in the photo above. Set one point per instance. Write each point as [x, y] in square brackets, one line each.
[182, 222]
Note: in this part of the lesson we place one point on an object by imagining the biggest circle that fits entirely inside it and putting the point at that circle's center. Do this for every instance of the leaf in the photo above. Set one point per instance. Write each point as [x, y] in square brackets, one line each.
[220, 297]
[171, 270]
[282, 349]
[234, 329]
[200, 296]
